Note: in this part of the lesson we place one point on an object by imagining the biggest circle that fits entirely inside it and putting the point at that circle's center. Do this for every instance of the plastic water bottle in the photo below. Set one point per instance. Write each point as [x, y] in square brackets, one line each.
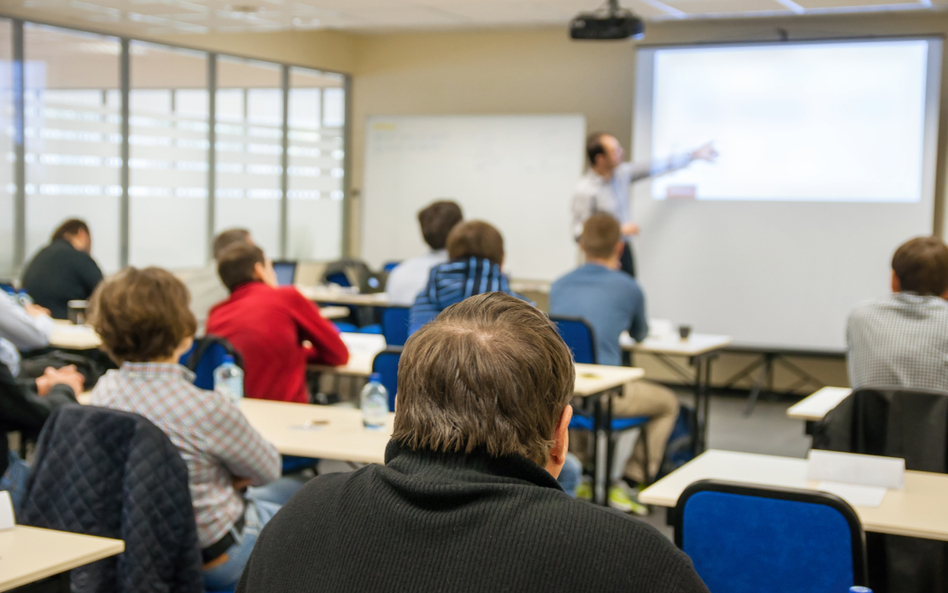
[229, 379]
[374, 403]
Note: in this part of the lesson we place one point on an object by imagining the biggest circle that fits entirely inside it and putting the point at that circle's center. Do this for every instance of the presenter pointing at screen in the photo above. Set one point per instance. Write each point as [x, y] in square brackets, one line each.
[605, 186]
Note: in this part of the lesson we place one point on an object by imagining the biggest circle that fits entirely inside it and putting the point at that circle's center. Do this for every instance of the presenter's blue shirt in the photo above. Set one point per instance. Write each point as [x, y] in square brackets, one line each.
[609, 300]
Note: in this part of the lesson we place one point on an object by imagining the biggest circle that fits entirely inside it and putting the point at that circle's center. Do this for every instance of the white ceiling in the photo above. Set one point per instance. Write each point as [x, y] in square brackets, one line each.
[157, 17]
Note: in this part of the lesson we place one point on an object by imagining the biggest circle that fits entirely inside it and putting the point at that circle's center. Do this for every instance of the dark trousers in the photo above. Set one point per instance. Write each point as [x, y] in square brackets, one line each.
[627, 260]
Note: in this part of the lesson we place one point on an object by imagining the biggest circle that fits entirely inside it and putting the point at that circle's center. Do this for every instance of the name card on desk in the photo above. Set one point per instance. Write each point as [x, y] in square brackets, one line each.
[850, 468]
[7, 520]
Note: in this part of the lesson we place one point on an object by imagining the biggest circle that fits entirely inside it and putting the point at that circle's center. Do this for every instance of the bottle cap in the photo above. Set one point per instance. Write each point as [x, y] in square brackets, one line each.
[860, 590]
[375, 378]
[229, 358]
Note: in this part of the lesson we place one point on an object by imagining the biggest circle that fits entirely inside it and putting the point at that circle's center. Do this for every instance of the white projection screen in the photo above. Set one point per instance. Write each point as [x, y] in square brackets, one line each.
[827, 154]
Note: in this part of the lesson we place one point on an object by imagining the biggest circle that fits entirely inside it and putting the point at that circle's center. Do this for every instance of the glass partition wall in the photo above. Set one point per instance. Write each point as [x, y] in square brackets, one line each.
[159, 148]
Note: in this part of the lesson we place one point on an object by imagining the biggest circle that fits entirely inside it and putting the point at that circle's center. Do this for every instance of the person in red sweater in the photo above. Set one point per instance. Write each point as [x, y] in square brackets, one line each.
[275, 329]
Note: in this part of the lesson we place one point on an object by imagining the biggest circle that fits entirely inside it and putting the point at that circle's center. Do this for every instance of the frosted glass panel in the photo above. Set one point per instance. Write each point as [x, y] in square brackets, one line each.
[7, 189]
[73, 137]
[168, 148]
[315, 169]
[249, 149]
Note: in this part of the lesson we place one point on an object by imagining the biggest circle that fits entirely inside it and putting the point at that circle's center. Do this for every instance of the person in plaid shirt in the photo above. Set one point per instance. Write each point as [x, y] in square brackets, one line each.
[143, 319]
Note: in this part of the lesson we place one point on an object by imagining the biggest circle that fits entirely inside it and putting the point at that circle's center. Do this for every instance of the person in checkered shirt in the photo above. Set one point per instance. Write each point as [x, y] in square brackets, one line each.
[143, 319]
[901, 340]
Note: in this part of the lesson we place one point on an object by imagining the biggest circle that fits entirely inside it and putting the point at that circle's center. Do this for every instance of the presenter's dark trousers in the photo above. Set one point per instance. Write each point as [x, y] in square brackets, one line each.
[627, 260]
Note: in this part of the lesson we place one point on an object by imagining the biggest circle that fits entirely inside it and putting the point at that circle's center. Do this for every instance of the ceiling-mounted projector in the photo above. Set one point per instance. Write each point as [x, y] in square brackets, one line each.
[609, 22]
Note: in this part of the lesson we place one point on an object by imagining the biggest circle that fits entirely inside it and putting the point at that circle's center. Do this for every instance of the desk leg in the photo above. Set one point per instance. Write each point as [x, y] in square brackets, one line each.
[702, 366]
[599, 495]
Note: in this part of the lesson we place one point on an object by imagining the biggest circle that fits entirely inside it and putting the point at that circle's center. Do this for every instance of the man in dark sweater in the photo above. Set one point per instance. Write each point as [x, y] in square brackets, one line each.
[468, 498]
[63, 271]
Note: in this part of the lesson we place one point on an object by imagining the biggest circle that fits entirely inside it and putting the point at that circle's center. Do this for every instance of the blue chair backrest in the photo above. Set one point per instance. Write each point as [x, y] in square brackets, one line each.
[389, 266]
[207, 354]
[579, 337]
[285, 272]
[386, 364]
[747, 539]
[395, 325]
[339, 278]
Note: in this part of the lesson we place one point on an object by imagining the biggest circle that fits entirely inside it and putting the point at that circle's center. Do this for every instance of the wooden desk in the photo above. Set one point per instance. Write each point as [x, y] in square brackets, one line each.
[918, 510]
[814, 407]
[28, 554]
[324, 294]
[74, 337]
[333, 312]
[594, 379]
[342, 438]
[700, 350]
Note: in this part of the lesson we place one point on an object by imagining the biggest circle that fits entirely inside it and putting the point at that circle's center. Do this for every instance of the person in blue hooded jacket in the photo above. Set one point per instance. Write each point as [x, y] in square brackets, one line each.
[475, 255]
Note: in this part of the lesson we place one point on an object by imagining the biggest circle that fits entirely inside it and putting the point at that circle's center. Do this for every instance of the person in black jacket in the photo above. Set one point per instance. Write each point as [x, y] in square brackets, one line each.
[467, 499]
[24, 406]
[63, 271]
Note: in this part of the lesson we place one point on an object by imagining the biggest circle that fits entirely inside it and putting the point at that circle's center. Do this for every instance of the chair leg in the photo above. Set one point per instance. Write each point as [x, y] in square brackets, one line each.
[647, 470]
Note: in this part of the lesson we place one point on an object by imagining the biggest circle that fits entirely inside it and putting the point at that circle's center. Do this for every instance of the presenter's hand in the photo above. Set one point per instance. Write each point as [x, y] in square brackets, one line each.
[705, 153]
[630, 228]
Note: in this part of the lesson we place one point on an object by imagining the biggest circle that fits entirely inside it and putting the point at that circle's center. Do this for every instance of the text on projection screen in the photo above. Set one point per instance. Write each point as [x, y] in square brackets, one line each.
[839, 122]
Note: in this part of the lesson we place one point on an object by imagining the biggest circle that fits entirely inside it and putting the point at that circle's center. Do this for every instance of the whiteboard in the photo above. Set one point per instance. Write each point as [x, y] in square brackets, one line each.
[517, 172]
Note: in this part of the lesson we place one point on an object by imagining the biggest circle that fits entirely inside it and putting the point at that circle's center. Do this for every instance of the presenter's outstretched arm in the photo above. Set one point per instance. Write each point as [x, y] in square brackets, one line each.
[673, 163]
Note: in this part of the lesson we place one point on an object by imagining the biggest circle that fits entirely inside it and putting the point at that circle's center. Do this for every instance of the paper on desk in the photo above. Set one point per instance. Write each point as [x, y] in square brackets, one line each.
[854, 494]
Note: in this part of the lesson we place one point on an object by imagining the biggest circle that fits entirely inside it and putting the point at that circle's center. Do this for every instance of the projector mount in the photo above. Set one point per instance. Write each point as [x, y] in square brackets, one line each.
[608, 22]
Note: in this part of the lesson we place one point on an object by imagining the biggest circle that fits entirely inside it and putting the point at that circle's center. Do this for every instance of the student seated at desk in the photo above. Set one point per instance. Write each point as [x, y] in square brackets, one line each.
[205, 284]
[410, 276]
[275, 329]
[467, 499]
[476, 254]
[63, 271]
[143, 319]
[22, 328]
[612, 301]
[25, 404]
[901, 340]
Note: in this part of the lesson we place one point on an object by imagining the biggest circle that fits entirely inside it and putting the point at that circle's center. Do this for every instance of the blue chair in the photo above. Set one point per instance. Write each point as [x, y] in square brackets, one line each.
[395, 325]
[745, 539]
[581, 340]
[205, 355]
[386, 364]
[389, 266]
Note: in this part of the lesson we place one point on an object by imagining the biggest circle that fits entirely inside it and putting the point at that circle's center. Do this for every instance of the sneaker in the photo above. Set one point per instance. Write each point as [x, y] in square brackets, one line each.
[620, 499]
[585, 490]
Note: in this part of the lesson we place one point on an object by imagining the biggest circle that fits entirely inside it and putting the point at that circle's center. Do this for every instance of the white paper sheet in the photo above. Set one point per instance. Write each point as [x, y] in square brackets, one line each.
[856, 495]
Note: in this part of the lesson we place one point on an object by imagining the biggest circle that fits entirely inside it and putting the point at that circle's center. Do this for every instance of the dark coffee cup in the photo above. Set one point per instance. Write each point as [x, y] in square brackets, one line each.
[684, 331]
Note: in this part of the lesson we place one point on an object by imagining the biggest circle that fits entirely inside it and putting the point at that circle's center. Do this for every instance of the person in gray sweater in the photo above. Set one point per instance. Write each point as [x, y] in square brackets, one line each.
[467, 499]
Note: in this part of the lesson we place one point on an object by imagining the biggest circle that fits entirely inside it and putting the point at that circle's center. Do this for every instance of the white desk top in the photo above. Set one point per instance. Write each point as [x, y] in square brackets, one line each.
[362, 351]
[324, 294]
[593, 379]
[342, 437]
[590, 378]
[918, 510]
[74, 337]
[695, 345]
[334, 312]
[814, 407]
[28, 554]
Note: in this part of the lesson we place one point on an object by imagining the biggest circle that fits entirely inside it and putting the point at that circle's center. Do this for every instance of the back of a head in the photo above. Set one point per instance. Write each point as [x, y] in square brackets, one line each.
[921, 265]
[141, 315]
[600, 236]
[437, 220]
[227, 238]
[236, 264]
[69, 228]
[476, 238]
[490, 373]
